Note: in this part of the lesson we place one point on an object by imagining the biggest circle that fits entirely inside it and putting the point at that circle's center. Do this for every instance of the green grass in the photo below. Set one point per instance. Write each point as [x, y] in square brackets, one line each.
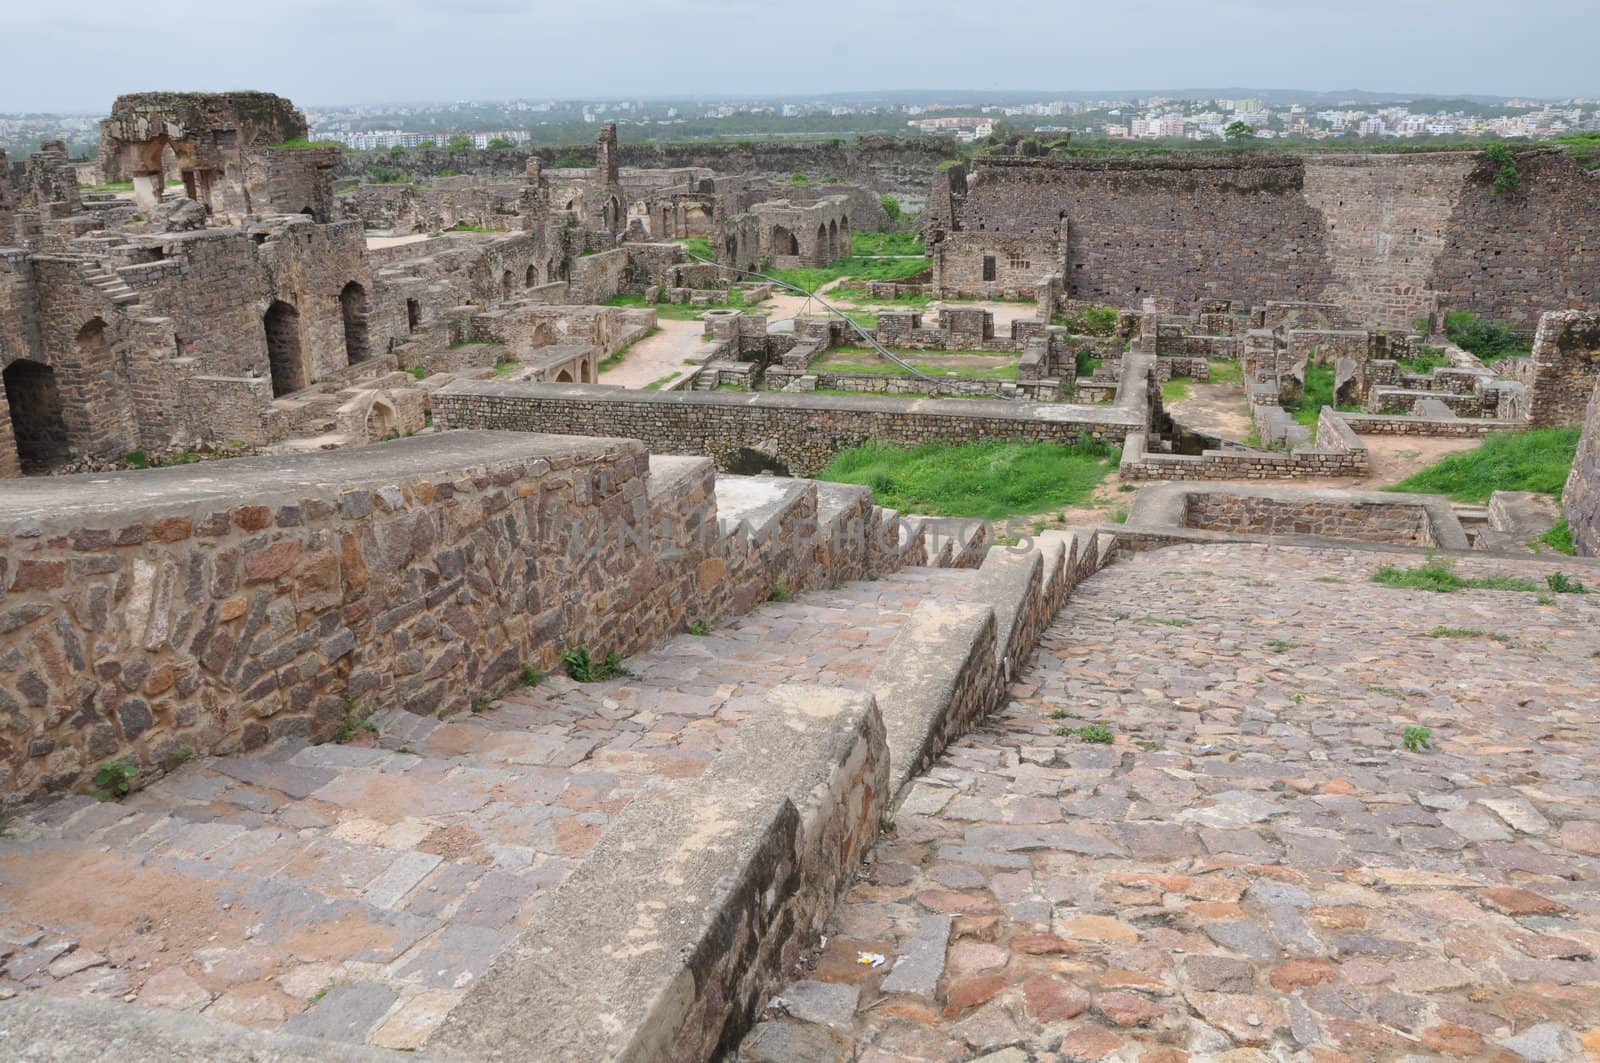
[886, 244]
[1224, 371]
[1486, 339]
[1416, 739]
[1442, 632]
[463, 227]
[698, 245]
[873, 269]
[1559, 538]
[1174, 389]
[1090, 321]
[1439, 575]
[1425, 361]
[989, 480]
[657, 385]
[1537, 460]
[665, 311]
[1317, 394]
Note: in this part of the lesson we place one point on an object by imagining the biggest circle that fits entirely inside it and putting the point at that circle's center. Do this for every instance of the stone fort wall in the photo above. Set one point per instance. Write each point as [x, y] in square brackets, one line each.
[214, 608]
[1386, 236]
[802, 433]
[1581, 499]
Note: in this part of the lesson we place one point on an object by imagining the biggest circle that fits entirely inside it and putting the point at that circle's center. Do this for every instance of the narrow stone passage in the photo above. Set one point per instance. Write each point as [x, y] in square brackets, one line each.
[1254, 868]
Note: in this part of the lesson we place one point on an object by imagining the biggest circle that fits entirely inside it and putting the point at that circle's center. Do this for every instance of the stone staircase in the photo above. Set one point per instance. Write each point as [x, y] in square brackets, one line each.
[369, 890]
[108, 283]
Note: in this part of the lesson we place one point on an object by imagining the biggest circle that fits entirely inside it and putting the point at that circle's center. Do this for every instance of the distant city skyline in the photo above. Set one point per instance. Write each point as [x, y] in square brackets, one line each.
[75, 56]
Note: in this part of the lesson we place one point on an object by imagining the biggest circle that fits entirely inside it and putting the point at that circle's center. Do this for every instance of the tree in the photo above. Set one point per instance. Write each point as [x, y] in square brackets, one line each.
[1238, 132]
[499, 142]
[456, 143]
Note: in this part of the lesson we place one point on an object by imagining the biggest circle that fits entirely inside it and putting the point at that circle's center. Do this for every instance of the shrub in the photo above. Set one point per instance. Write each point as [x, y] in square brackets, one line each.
[1506, 178]
[891, 207]
[1416, 739]
[1486, 339]
[1561, 583]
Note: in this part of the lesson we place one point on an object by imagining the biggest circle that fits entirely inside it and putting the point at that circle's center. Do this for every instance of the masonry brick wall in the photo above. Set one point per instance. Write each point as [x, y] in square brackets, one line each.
[214, 609]
[802, 432]
[1581, 499]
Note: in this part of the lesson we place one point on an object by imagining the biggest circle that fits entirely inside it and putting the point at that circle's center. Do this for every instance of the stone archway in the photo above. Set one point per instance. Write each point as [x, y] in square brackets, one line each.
[285, 358]
[783, 242]
[38, 422]
[563, 377]
[381, 422]
[353, 306]
[505, 287]
[532, 279]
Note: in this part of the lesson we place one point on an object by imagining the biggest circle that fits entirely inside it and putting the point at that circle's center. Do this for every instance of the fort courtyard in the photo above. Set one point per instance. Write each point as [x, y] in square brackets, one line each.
[672, 603]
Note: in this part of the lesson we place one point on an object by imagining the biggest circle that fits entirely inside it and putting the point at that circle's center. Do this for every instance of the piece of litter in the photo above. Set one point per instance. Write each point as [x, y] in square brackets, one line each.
[870, 959]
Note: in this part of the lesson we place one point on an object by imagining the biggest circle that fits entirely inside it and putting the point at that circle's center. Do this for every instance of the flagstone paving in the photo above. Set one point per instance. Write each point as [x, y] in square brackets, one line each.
[355, 891]
[1254, 868]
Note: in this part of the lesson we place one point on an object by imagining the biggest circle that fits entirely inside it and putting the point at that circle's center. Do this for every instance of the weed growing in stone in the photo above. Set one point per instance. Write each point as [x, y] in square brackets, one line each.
[701, 627]
[582, 667]
[1561, 583]
[1096, 733]
[1438, 574]
[1169, 621]
[780, 593]
[1329, 579]
[115, 778]
[529, 676]
[1393, 692]
[1417, 739]
[1279, 645]
[1442, 632]
[482, 703]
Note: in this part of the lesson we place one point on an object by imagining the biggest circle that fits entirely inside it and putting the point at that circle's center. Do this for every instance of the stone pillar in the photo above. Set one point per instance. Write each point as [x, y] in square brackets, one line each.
[147, 188]
[607, 163]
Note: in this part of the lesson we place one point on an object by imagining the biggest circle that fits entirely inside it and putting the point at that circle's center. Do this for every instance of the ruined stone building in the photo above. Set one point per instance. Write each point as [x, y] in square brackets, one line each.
[1389, 237]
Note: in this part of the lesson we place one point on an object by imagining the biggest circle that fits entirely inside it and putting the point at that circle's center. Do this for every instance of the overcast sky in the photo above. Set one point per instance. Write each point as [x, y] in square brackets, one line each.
[59, 55]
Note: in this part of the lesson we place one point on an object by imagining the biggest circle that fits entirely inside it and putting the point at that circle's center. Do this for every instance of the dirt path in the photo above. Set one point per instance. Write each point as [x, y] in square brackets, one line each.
[655, 356]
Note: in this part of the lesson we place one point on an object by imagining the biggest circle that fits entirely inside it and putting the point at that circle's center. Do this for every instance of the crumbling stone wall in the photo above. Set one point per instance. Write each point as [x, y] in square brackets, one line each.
[1581, 499]
[1398, 522]
[1565, 366]
[1385, 237]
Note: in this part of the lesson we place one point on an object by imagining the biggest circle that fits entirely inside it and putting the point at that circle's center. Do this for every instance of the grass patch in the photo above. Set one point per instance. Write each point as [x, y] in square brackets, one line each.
[1169, 621]
[872, 269]
[698, 245]
[1087, 361]
[463, 227]
[1559, 539]
[657, 385]
[1442, 632]
[1223, 371]
[1090, 321]
[990, 480]
[1537, 460]
[1439, 575]
[1174, 389]
[1425, 361]
[1486, 339]
[1317, 394]
[1094, 733]
[664, 311]
[886, 244]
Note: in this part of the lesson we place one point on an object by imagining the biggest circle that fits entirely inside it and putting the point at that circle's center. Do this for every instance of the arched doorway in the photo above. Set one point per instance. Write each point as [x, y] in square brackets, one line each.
[284, 358]
[505, 286]
[611, 215]
[37, 421]
[381, 422]
[413, 315]
[353, 304]
[563, 377]
[532, 279]
[783, 242]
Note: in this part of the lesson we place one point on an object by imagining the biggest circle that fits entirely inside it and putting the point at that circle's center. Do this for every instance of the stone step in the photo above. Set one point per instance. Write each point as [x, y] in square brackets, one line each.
[356, 892]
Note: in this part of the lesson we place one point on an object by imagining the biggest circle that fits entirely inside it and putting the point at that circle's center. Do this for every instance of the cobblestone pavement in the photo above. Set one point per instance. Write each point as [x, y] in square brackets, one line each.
[1254, 869]
[355, 891]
